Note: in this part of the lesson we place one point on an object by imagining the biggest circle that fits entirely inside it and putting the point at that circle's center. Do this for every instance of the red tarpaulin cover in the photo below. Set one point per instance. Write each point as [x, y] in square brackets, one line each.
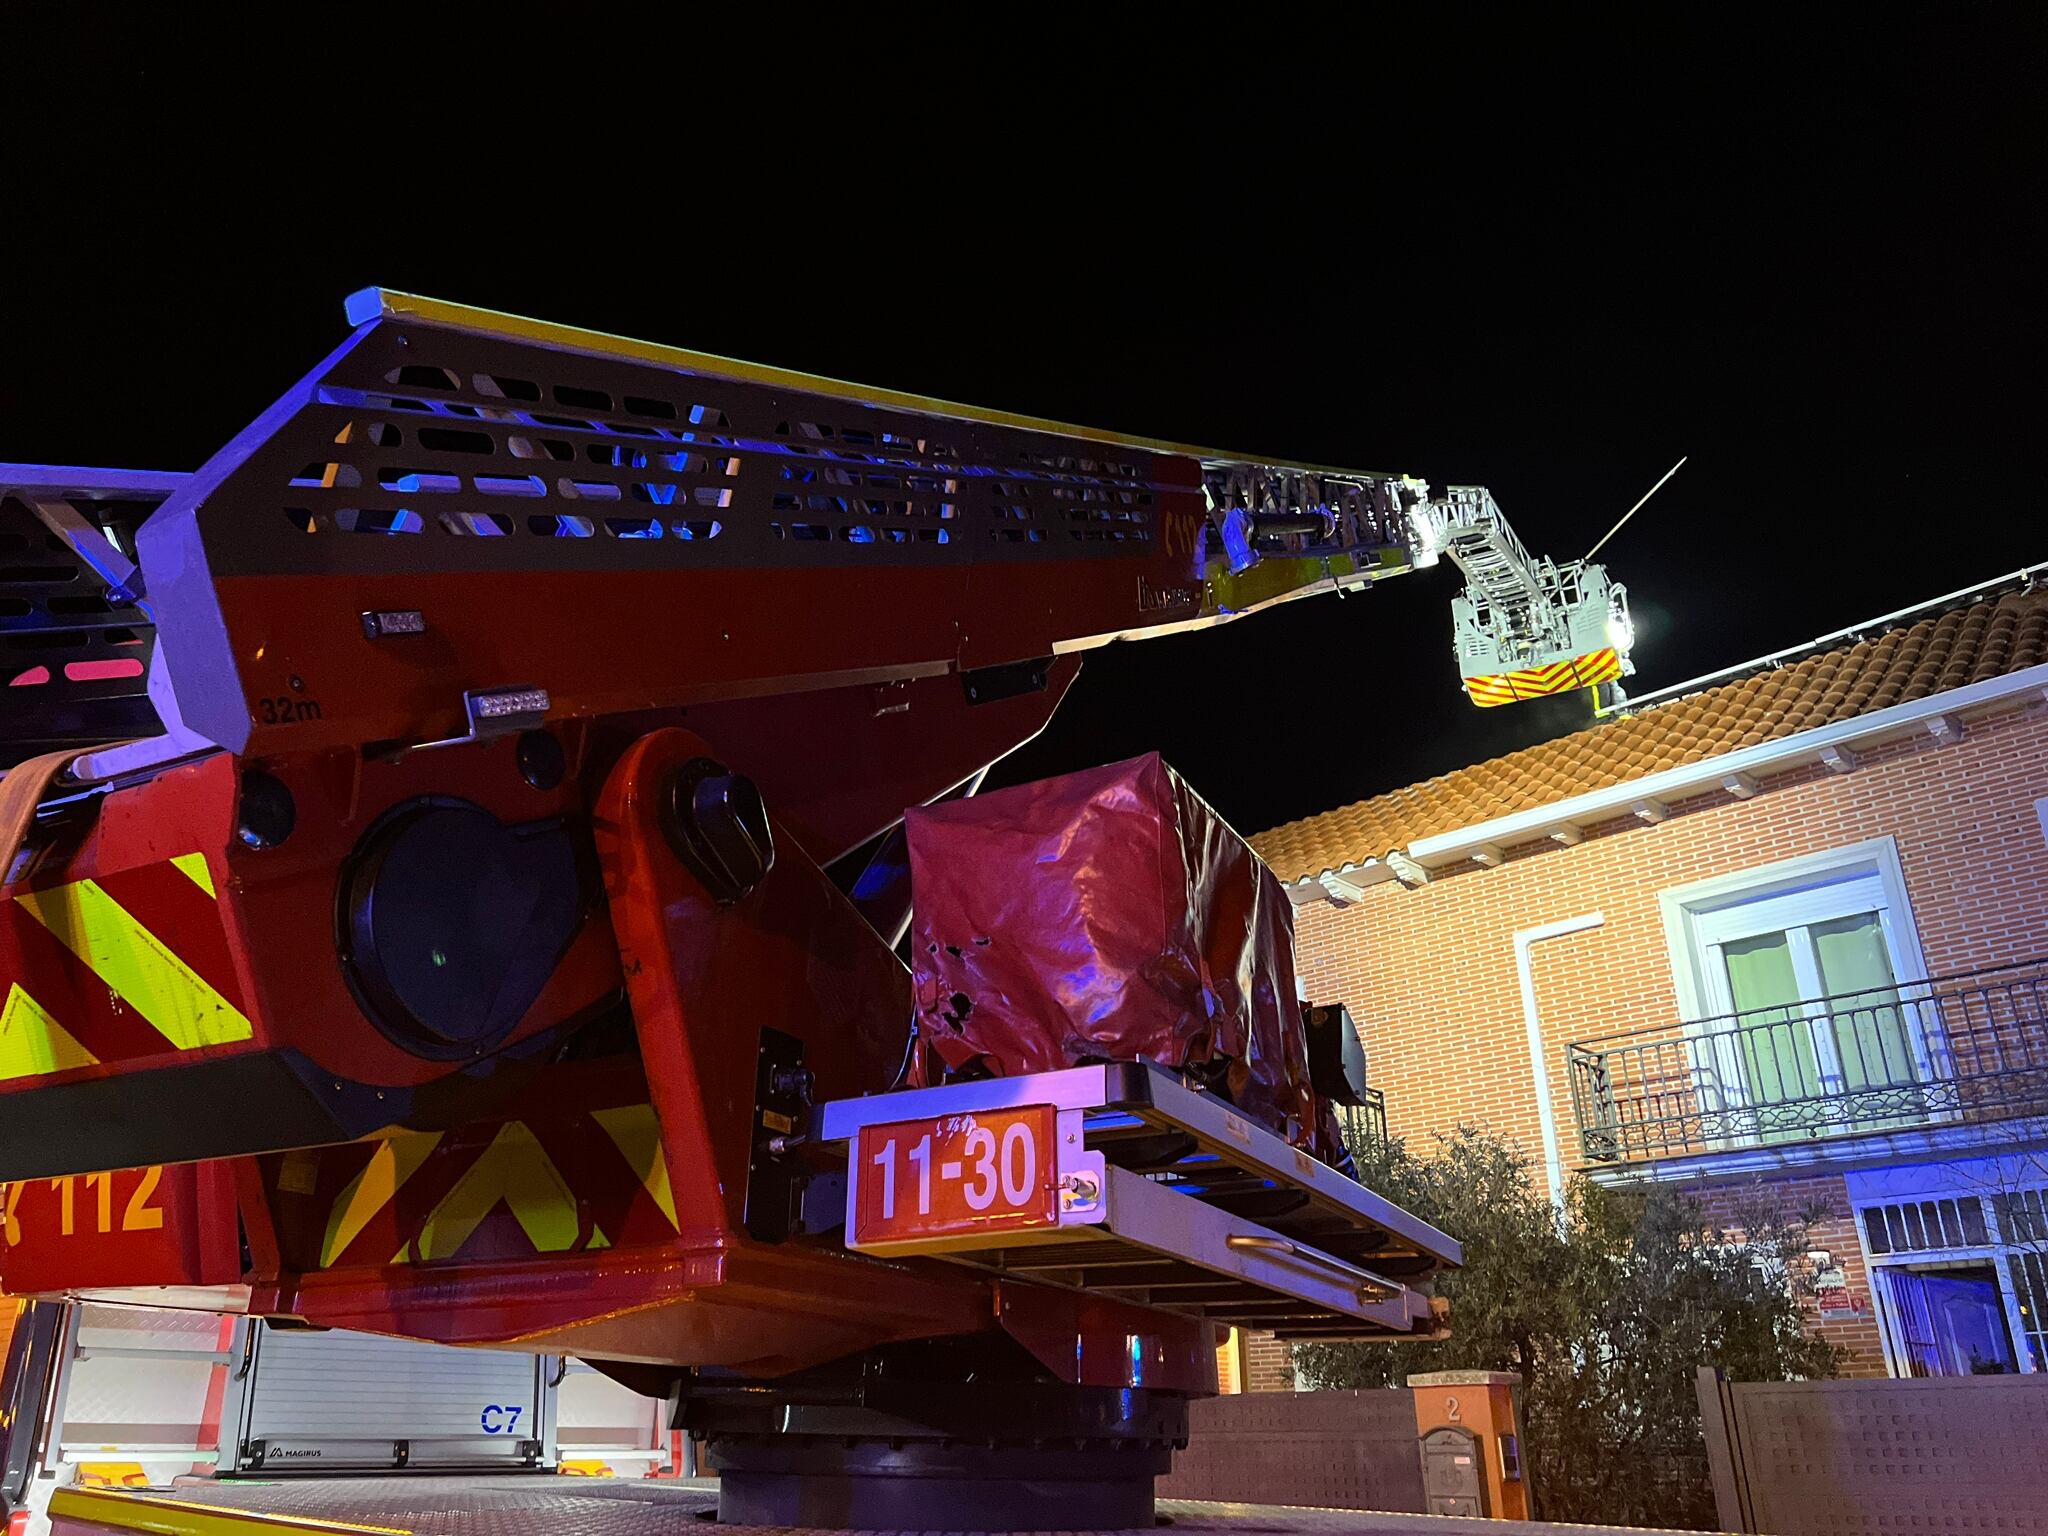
[1109, 915]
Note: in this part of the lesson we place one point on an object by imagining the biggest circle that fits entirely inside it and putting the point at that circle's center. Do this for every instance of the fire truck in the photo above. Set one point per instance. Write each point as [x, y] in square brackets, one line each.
[458, 887]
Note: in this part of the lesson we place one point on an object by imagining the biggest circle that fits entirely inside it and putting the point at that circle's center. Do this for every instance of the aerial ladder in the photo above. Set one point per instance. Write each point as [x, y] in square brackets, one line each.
[454, 878]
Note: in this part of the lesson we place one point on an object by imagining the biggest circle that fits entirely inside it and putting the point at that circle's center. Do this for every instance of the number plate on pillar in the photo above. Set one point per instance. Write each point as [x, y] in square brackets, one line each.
[992, 1171]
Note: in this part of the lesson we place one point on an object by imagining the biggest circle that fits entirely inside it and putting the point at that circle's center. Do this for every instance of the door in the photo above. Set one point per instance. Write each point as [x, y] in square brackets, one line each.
[1796, 1066]
[1948, 1322]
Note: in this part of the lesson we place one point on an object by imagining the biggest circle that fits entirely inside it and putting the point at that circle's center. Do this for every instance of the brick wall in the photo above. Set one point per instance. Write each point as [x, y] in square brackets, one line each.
[1430, 975]
[1268, 1364]
[1825, 1203]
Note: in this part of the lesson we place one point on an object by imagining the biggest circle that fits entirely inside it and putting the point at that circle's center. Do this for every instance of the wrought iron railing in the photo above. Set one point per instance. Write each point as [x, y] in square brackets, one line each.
[1964, 1048]
[1367, 1121]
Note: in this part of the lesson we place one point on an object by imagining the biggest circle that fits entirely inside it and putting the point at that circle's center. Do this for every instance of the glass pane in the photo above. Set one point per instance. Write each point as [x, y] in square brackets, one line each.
[1973, 1222]
[2021, 1218]
[1760, 972]
[1856, 972]
[1778, 1060]
[1951, 1224]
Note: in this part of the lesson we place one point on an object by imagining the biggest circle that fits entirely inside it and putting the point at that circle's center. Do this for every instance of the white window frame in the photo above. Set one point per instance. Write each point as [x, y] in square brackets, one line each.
[1682, 905]
[1688, 909]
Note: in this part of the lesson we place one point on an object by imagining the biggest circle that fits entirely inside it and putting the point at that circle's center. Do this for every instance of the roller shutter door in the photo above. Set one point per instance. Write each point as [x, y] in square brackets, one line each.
[319, 1400]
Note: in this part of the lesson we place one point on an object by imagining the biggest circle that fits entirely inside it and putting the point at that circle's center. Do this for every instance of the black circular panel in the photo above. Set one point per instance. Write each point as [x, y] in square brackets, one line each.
[451, 923]
[542, 763]
[267, 812]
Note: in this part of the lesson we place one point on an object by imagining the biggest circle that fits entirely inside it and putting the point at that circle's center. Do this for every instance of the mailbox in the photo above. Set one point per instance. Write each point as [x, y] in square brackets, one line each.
[1471, 1443]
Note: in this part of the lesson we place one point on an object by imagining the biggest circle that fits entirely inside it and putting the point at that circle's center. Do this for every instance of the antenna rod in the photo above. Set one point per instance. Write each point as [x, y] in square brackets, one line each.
[1631, 512]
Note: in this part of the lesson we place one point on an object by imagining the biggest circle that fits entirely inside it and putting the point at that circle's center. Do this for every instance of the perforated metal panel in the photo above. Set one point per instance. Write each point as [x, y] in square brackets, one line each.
[73, 658]
[1846, 1458]
[1342, 1450]
[505, 449]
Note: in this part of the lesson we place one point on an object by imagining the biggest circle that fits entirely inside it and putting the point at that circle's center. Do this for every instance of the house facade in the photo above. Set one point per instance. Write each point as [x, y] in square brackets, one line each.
[1784, 938]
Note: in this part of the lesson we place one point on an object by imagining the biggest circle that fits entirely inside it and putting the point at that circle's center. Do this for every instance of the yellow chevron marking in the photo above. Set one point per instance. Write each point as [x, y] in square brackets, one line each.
[375, 1187]
[1602, 666]
[193, 866]
[516, 1169]
[32, 1043]
[177, 1000]
[635, 1132]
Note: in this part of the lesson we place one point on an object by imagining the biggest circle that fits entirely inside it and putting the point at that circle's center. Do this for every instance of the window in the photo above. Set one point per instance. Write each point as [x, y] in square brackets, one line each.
[1789, 975]
[1917, 1225]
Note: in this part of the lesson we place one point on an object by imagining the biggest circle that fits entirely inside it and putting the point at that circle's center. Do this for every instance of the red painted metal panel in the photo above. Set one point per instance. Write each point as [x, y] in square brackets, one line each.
[125, 1227]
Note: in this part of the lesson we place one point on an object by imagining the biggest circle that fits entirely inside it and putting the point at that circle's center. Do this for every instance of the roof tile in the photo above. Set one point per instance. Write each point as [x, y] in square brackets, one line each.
[1989, 639]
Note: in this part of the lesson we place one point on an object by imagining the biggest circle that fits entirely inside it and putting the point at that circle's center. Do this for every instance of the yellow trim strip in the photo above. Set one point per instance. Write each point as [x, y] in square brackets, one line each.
[154, 981]
[389, 304]
[176, 1517]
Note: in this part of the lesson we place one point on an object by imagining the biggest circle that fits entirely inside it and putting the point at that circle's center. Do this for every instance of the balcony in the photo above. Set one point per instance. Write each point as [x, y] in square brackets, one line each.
[1365, 1122]
[1955, 1051]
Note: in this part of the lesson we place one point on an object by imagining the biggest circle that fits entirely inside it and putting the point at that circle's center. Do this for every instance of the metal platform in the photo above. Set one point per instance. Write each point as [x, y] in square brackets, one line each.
[1170, 1198]
[557, 1506]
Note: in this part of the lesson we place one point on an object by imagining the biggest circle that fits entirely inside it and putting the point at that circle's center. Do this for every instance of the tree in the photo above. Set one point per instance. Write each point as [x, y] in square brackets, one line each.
[1606, 1308]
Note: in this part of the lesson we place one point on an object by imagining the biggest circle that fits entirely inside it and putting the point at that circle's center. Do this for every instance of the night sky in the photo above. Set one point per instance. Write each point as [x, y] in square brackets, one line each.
[1543, 250]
